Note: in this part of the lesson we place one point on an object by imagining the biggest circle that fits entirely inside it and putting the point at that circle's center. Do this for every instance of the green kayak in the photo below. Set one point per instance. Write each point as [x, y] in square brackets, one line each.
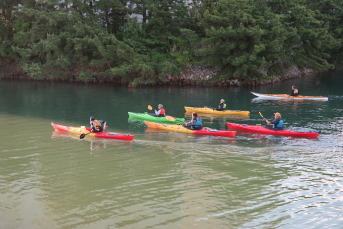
[151, 117]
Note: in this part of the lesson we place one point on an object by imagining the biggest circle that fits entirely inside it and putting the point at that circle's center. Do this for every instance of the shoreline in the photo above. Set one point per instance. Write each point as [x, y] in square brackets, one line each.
[192, 76]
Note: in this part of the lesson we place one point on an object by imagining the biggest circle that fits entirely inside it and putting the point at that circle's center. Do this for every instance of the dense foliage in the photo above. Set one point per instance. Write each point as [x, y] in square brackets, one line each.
[143, 41]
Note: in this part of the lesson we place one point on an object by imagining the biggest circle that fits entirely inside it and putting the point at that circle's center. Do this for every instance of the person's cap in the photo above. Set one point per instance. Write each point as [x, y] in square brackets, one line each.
[222, 100]
[92, 118]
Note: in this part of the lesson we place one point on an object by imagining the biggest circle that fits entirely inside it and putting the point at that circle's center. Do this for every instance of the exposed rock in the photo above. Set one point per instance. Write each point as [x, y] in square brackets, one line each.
[191, 76]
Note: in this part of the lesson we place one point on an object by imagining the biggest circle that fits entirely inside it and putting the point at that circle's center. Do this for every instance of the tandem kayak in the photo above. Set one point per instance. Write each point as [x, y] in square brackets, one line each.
[149, 117]
[82, 130]
[209, 110]
[182, 129]
[264, 130]
[285, 96]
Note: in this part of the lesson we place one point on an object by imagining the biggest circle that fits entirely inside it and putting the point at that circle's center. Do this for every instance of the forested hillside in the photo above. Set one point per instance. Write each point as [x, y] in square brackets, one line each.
[144, 41]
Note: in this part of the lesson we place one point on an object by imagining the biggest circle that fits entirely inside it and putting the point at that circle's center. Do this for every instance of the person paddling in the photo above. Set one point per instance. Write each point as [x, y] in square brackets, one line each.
[96, 126]
[195, 123]
[277, 123]
[161, 112]
[222, 105]
[295, 91]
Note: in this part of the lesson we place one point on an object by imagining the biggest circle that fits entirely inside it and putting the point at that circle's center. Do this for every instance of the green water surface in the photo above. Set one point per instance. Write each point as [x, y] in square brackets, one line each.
[169, 180]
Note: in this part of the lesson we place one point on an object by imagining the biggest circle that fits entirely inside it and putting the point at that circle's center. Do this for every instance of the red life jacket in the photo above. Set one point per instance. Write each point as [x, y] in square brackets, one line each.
[162, 111]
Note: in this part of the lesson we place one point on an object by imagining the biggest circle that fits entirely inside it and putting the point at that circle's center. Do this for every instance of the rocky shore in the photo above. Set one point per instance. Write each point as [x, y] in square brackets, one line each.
[191, 76]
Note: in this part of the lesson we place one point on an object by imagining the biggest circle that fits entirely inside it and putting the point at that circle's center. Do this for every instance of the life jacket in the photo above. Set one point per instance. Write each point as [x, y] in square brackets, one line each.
[162, 111]
[295, 92]
[224, 106]
[97, 125]
[280, 124]
[198, 123]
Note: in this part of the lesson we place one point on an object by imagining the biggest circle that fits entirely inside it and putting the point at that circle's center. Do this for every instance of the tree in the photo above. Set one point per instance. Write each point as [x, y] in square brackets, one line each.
[242, 39]
[61, 42]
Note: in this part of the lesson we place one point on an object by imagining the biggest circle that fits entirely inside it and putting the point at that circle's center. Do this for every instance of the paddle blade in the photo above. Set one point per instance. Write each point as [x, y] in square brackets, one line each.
[149, 107]
[82, 136]
[261, 115]
[170, 118]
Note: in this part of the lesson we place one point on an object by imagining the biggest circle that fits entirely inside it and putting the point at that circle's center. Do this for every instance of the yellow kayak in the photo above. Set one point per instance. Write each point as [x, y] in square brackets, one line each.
[182, 129]
[209, 110]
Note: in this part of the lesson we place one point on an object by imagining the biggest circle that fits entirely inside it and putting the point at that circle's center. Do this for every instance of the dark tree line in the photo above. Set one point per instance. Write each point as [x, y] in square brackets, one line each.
[146, 40]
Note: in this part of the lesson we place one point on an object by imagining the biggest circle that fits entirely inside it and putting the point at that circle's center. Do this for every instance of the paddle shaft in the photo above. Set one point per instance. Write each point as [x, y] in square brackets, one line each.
[262, 115]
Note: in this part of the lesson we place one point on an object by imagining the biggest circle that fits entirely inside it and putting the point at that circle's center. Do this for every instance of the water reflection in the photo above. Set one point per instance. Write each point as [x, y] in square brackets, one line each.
[168, 179]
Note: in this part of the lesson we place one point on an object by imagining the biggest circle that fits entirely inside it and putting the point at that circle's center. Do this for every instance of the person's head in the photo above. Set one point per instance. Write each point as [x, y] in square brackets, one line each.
[277, 115]
[160, 106]
[222, 101]
[91, 118]
[194, 115]
[293, 87]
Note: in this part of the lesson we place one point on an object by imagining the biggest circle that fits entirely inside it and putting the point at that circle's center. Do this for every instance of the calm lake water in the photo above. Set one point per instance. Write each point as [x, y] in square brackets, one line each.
[169, 180]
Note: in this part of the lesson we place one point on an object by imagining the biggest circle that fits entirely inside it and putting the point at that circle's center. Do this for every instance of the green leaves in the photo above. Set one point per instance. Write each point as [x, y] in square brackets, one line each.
[149, 40]
[250, 39]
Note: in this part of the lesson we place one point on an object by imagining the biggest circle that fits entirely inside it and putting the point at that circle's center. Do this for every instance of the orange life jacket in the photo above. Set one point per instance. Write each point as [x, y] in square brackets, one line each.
[97, 125]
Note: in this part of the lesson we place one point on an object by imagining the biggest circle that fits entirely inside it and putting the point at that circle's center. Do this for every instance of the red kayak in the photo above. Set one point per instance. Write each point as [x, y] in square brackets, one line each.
[264, 130]
[83, 130]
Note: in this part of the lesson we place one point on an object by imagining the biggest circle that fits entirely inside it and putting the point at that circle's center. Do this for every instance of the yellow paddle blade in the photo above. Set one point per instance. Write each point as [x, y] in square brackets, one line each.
[149, 107]
[170, 118]
[261, 114]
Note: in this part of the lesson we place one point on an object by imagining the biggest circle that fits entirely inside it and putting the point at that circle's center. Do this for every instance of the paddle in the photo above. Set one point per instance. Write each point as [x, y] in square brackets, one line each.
[262, 115]
[268, 122]
[82, 136]
[169, 118]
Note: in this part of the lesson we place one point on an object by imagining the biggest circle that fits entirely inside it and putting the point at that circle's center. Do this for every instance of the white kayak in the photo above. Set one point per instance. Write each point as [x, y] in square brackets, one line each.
[285, 96]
